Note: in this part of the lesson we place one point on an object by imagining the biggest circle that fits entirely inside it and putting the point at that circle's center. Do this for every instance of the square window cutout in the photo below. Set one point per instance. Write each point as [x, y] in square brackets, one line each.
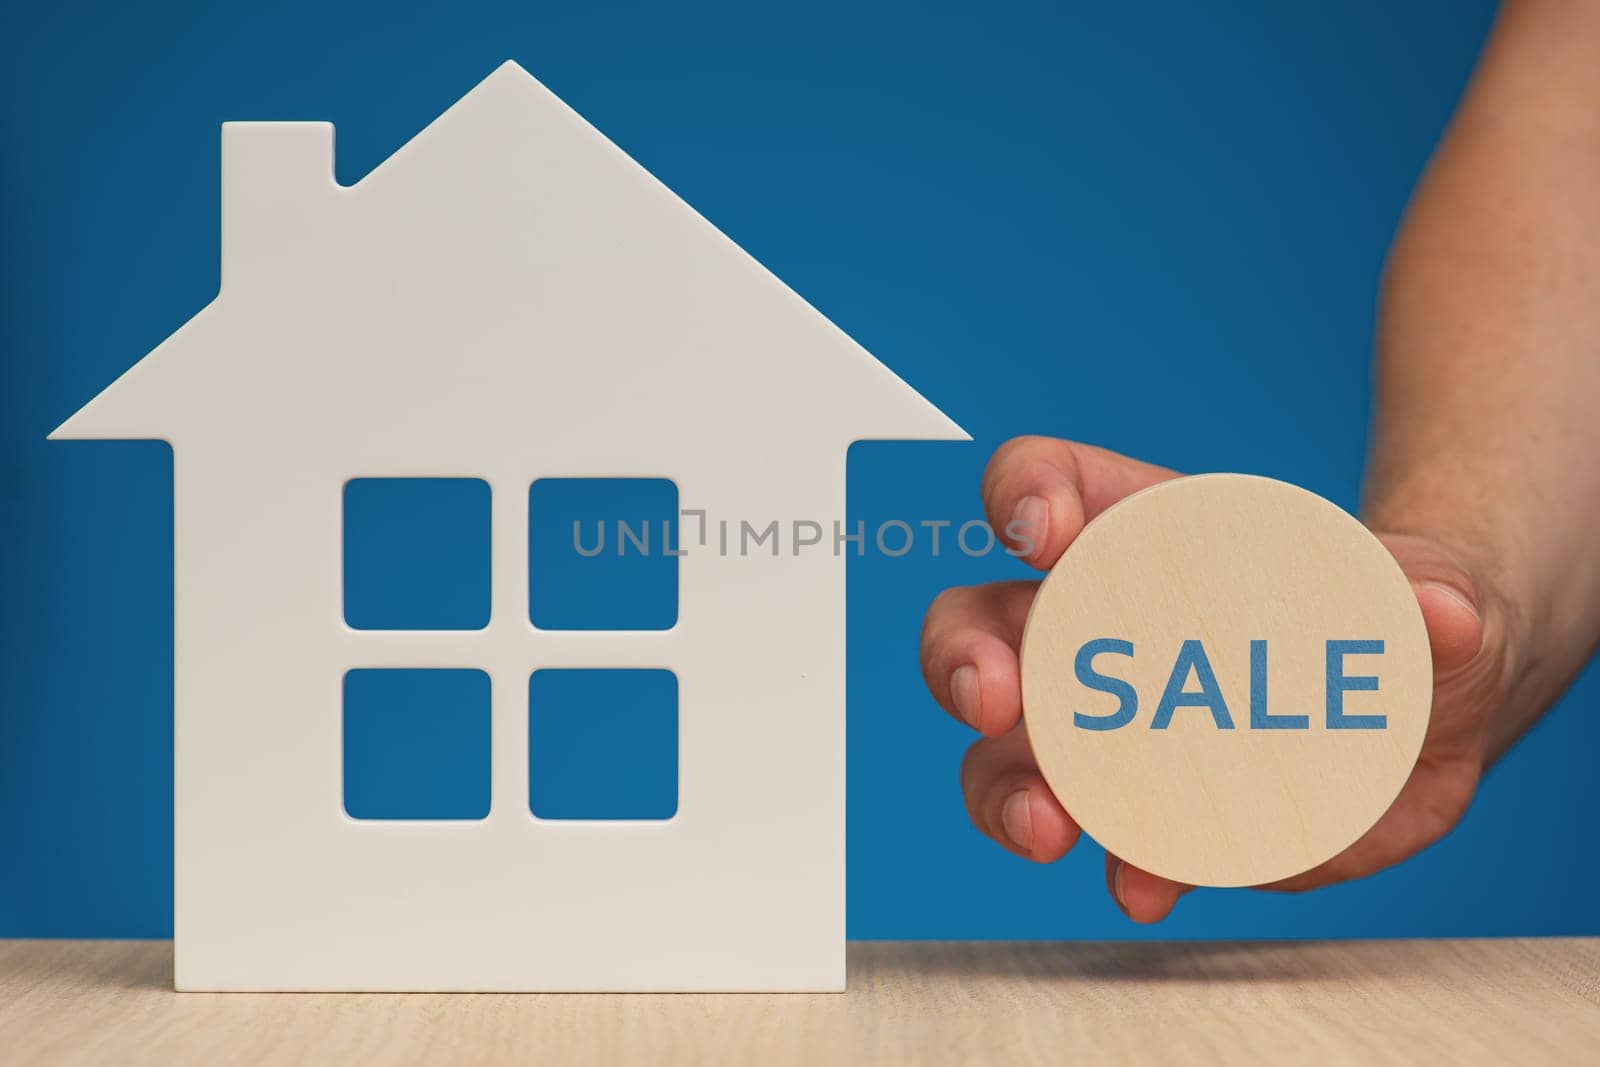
[416, 553]
[600, 554]
[416, 744]
[603, 744]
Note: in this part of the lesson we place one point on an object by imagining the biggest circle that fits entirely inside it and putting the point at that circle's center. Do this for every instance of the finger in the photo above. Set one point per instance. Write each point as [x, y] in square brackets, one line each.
[969, 653]
[1428, 807]
[1009, 801]
[1386, 844]
[1142, 896]
[1455, 630]
[1039, 491]
[1448, 598]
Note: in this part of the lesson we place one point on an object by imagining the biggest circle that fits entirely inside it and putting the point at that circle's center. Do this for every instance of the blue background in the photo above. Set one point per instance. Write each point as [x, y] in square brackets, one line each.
[626, 582]
[1157, 226]
[415, 553]
[416, 744]
[603, 744]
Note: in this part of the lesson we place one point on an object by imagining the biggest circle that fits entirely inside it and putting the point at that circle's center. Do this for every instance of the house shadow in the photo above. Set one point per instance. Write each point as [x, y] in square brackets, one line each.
[133, 966]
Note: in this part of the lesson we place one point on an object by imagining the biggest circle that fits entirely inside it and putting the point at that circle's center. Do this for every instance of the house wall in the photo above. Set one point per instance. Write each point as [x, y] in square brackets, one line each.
[276, 888]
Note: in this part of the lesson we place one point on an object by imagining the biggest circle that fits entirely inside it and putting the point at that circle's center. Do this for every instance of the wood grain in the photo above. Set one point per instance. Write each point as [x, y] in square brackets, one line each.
[1386, 1002]
[1180, 583]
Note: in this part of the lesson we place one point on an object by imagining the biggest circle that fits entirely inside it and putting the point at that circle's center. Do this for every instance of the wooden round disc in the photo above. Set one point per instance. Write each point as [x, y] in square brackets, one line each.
[1226, 679]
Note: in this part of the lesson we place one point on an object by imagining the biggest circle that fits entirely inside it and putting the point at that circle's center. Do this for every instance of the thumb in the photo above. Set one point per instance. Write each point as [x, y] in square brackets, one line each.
[1447, 596]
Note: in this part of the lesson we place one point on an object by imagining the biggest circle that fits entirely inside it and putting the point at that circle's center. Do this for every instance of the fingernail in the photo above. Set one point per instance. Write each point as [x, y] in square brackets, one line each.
[1454, 594]
[1116, 886]
[1018, 820]
[964, 691]
[1031, 521]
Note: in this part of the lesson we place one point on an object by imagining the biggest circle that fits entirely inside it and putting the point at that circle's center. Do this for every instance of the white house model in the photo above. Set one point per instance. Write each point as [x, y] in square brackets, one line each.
[508, 297]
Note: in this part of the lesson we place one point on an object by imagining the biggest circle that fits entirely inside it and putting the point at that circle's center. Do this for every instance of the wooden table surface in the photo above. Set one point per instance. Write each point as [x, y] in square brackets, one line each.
[1514, 1001]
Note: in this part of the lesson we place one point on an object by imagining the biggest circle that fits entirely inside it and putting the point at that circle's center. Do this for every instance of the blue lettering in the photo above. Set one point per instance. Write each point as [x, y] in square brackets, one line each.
[1128, 700]
[1192, 656]
[1339, 683]
[1260, 717]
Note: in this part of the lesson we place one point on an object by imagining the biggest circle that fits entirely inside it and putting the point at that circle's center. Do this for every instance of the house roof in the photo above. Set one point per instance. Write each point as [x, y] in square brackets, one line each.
[507, 257]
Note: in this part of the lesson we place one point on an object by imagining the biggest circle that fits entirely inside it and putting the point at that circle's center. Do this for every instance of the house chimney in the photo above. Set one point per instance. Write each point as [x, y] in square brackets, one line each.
[277, 183]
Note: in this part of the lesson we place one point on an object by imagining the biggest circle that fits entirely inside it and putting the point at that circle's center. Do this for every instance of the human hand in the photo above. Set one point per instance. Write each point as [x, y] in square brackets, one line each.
[1043, 491]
